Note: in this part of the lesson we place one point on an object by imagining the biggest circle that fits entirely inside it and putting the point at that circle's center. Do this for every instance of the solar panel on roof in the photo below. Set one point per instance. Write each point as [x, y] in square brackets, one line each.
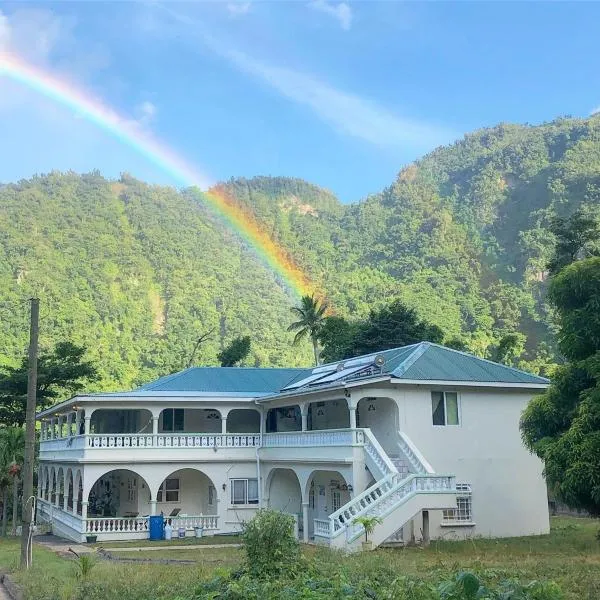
[338, 375]
[308, 380]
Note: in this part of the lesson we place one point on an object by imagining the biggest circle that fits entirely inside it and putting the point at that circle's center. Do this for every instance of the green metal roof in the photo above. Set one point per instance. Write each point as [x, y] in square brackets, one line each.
[226, 380]
[429, 361]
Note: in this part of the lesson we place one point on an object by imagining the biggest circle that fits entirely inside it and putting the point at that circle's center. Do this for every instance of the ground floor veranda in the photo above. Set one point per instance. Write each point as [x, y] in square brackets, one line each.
[113, 504]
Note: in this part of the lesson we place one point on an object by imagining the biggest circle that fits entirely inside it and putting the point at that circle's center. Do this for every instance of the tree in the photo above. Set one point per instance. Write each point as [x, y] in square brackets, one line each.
[61, 372]
[577, 237]
[236, 352]
[336, 337]
[509, 349]
[392, 326]
[12, 447]
[311, 313]
[562, 426]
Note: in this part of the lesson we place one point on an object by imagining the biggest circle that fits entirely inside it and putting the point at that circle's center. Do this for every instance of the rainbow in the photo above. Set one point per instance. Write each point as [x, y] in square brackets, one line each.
[129, 133]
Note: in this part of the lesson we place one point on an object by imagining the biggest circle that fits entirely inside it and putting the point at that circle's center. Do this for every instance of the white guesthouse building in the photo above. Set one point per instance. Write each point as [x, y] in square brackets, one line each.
[425, 437]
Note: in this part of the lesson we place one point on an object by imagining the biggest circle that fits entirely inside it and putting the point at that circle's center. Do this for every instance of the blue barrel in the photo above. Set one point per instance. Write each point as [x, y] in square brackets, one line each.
[157, 527]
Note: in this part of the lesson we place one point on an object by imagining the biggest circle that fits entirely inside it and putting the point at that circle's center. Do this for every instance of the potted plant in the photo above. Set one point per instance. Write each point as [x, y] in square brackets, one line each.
[368, 524]
[91, 539]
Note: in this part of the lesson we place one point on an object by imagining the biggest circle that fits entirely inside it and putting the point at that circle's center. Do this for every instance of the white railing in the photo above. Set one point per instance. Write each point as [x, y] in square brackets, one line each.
[208, 522]
[413, 455]
[116, 525]
[50, 512]
[173, 440]
[320, 437]
[75, 442]
[399, 494]
[383, 497]
[378, 455]
[322, 528]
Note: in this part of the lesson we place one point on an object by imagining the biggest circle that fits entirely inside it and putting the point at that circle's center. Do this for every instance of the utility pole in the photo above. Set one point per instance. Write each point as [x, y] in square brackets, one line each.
[30, 436]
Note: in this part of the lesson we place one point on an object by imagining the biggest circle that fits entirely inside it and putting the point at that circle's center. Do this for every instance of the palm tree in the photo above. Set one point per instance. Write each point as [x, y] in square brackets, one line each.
[312, 316]
[12, 447]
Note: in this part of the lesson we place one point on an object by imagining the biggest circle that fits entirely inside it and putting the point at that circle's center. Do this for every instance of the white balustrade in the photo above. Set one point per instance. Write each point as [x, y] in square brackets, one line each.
[378, 455]
[95, 525]
[322, 528]
[321, 437]
[206, 522]
[75, 442]
[383, 497]
[413, 455]
[174, 440]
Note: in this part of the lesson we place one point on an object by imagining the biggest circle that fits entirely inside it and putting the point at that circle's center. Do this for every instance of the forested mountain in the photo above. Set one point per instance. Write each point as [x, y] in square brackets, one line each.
[137, 272]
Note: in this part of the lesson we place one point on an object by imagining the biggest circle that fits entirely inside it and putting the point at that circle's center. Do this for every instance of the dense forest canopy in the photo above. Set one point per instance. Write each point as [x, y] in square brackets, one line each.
[138, 273]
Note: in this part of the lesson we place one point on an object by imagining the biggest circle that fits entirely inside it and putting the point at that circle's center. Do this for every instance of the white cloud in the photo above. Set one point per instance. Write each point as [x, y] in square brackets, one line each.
[237, 9]
[346, 112]
[146, 112]
[341, 11]
[595, 110]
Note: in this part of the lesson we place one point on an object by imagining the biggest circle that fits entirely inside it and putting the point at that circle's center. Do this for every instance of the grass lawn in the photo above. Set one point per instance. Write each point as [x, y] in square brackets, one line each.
[570, 555]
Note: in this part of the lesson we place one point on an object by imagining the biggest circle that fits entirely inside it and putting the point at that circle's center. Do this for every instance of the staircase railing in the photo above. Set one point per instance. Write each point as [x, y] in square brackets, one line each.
[378, 456]
[417, 461]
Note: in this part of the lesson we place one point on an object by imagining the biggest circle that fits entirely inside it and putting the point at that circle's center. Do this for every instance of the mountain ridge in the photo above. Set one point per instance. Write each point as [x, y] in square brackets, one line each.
[137, 272]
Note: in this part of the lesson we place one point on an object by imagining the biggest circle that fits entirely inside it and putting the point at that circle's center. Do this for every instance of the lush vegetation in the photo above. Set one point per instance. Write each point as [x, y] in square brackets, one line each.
[137, 273]
[569, 557]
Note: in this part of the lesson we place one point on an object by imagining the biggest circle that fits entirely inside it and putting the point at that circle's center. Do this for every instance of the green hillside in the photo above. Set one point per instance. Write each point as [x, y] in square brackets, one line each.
[138, 272]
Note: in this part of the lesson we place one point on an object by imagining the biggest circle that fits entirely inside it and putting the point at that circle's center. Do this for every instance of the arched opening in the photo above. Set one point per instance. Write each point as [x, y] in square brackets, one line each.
[60, 489]
[332, 414]
[121, 421]
[285, 493]
[243, 420]
[119, 493]
[79, 489]
[381, 416]
[69, 490]
[284, 418]
[186, 492]
[327, 491]
[53, 486]
[190, 420]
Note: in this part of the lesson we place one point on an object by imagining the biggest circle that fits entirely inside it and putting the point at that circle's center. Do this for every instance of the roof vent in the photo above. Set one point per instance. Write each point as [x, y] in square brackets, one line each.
[340, 367]
[379, 360]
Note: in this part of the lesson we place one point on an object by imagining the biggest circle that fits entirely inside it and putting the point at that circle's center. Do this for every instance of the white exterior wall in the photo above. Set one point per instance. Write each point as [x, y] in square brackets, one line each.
[486, 451]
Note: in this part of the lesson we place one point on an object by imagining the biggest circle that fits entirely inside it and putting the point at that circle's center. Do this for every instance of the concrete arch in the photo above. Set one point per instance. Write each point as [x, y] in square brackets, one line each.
[243, 420]
[117, 492]
[381, 415]
[284, 490]
[189, 490]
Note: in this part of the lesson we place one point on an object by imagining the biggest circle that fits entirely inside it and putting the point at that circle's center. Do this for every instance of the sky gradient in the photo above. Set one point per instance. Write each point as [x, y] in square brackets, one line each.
[341, 94]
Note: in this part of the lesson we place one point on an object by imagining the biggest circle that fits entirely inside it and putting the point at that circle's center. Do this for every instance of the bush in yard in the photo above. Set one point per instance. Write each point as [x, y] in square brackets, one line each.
[270, 545]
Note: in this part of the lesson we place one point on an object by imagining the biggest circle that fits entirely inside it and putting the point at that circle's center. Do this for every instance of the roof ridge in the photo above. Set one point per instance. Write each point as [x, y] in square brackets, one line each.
[411, 359]
[487, 360]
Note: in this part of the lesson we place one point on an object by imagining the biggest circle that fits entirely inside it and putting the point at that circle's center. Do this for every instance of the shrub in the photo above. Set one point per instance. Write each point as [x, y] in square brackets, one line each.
[270, 545]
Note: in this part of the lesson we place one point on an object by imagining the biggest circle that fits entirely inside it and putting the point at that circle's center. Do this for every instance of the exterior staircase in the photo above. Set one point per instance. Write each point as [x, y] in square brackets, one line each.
[406, 485]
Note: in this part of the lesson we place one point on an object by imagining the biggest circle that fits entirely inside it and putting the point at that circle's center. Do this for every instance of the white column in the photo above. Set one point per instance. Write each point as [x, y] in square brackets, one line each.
[224, 424]
[70, 424]
[84, 507]
[87, 424]
[43, 431]
[77, 422]
[353, 417]
[60, 426]
[65, 492]
[305, 522]
[152, 507]
[52, 429]
[304, 414]
[155, 424]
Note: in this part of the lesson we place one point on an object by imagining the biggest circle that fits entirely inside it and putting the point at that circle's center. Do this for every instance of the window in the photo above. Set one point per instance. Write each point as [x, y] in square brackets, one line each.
[244, 491]
[463, 513]
[169, 490]
[172, 419]
[444, 408]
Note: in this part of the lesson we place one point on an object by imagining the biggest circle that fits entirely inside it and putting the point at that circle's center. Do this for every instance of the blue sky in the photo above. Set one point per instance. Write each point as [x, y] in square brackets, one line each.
[342, 94]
